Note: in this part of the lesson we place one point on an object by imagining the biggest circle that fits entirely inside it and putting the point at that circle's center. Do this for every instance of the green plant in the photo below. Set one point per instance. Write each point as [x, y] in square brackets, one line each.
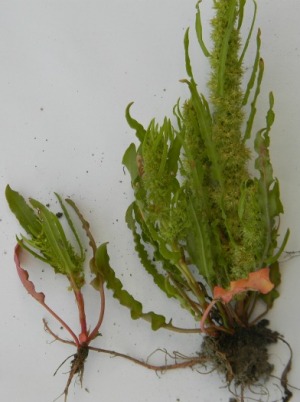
[48, 240]
[211, 224]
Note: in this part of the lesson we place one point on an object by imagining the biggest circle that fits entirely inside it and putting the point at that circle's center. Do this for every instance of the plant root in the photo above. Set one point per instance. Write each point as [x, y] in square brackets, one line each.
[79, 358]
[186, 361]
[284, 376]
[77, 368]
[243, 357]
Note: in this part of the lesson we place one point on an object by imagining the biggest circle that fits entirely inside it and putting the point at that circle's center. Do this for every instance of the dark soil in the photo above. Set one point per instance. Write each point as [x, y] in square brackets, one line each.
[243, 357]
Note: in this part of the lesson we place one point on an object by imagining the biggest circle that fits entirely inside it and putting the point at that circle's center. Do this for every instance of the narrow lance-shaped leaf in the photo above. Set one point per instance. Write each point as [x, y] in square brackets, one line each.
[112, 282]
[25, 215]
[140, 131]
[70, 222]
[241, 16]
[188, 66]
[57, 244]
[198, 27]
[130, 161]
[172, 283]
[158, 278]
[268, 186]
[252, 114]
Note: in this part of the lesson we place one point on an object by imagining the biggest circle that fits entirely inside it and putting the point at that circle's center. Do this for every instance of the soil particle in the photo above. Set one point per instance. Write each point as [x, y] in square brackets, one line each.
[242, 357]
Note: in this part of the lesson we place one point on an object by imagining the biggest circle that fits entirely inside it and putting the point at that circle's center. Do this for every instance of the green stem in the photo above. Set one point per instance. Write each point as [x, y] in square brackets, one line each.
[182, 266]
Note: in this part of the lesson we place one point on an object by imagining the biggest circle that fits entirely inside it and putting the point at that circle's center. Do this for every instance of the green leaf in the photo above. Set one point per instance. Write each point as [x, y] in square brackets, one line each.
[255, 68]
[84, 222]
[24, 214]
[252, 114]
[241, 17]
[57, 246]
[275, 278]
[204, 120]
[272, 260]
[140, 131]
[129, 161]
[188, 66]
[173, 284]
[159, 279]
[269, 194]
[241, 13]
[164, 249]
[47, 240]
[173, 155]
[177, 113]
[70, 223]
[199, 246]
[242, 200]
[112, 282]
[198, 27]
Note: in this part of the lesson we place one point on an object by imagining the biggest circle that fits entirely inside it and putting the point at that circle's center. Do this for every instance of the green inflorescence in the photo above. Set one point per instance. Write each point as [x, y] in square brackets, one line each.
[196, 202]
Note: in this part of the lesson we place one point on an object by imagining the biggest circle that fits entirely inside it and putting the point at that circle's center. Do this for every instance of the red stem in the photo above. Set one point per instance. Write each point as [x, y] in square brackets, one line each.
[38, 296]
[95, 331]
[66, 326]
[56, 337]
[83, 336]
[205, 316]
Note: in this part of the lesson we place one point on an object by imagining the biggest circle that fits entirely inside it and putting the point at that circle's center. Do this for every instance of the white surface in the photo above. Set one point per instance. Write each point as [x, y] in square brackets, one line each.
[68, 69]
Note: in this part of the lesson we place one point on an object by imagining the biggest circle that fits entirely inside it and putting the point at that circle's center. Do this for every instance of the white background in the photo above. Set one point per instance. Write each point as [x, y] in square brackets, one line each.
[67, 71]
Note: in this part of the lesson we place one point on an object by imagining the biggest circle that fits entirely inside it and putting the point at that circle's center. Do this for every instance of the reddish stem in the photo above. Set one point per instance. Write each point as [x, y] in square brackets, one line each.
[66, 326]
[95, 331]
[205, 316]
[56, 337]
[83, 336]
[38, 296]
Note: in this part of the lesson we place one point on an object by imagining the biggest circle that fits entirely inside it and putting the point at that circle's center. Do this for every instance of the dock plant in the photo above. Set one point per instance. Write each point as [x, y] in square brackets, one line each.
[205, 219]
[48, 240]
[206, 209]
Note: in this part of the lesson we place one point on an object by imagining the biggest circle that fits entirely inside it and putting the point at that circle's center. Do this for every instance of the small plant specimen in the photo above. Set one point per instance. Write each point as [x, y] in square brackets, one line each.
[48, 241]
[205, 217]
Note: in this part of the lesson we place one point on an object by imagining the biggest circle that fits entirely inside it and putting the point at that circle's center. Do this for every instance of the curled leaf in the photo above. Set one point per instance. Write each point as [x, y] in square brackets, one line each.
[256, 281]
[24, 277]
[38, 296]
[112, 282]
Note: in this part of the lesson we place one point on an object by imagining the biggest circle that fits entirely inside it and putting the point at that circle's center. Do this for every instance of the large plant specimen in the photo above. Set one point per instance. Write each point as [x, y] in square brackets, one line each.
[205, 221]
